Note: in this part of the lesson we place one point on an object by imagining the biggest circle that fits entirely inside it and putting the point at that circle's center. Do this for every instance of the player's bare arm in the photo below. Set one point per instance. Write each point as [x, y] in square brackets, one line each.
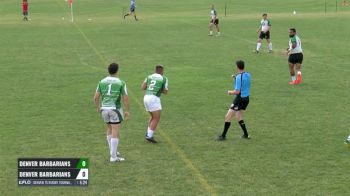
[233, 92]
[294, 45]
[143, 86]
[259, 29]
[125, 99]
[97, 101]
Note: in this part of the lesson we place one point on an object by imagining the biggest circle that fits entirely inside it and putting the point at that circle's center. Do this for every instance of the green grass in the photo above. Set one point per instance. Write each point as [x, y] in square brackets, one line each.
[49, 69]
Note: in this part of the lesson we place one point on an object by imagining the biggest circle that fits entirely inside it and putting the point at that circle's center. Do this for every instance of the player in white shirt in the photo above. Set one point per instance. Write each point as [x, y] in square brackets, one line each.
[264, 30]
[214, 22]
[296, 57]
[347, 141]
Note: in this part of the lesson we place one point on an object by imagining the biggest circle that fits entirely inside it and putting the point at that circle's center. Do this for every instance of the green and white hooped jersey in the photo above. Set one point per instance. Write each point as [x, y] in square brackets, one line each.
[297, 49]
[264, 25]
[155, 84]
[111, 90]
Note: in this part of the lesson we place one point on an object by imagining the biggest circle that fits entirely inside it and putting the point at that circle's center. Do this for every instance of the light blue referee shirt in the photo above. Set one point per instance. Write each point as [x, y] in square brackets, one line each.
[243, 84]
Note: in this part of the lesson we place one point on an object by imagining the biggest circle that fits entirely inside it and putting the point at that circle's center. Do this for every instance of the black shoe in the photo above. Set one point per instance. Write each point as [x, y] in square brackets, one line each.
[245, 137]
[151, 139]
[221, 138]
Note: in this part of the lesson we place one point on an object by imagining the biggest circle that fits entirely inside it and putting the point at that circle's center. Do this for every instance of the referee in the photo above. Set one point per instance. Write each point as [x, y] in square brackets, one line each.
[240, 103]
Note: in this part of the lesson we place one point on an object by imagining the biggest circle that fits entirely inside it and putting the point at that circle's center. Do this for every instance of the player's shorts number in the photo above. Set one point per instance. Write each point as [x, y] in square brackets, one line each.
[151, 85]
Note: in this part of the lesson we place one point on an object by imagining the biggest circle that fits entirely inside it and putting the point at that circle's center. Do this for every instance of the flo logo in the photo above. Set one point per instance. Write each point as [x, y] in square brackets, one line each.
[24, 182]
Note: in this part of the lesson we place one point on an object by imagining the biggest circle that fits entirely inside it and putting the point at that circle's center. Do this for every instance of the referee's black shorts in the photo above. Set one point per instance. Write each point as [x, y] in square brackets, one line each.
[296, 58]
[240, 103]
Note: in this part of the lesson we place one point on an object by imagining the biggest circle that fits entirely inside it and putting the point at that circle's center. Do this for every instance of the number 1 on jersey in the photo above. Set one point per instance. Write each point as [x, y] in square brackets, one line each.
[109, 89]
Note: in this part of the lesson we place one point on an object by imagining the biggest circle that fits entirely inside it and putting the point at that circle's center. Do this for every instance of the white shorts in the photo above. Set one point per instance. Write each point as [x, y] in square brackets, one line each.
[152, 103]
[112, 116]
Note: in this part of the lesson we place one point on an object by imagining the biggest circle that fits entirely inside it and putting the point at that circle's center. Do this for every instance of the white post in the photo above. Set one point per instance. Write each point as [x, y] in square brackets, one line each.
[71, 11]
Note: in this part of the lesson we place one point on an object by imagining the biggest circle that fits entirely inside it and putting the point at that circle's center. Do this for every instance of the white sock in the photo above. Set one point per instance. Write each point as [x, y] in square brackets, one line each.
[293, 78]
[270, 46]
[219, 33]
[149, 133]
[258, 46]
[210, 32]
[299, 72]
[349, 138]
[114, 147]
[109, 141]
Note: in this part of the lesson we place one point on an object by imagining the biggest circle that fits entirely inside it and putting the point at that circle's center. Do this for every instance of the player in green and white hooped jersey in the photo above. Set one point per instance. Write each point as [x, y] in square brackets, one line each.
[154, 85]
[108, 96]
[264, 30]
[296, 57]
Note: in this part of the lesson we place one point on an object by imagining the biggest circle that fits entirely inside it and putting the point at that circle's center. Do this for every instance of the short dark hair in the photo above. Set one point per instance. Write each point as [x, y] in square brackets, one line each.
[113, 68]
[264, 14]
[159, 67]
[293, 30]
[240, 64]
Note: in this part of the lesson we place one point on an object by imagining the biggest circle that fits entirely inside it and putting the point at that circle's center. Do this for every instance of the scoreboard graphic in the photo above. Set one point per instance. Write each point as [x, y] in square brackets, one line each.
[53, 171]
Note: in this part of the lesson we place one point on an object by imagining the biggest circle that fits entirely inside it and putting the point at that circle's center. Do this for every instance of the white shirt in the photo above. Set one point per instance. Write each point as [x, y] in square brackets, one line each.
[213, 14]
[265, 25]
[298, 48]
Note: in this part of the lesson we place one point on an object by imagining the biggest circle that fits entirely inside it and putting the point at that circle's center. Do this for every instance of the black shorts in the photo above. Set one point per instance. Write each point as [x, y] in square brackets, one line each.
[240, 103]
[25, 13]
[296, 58]
[265, 35]
[215, 22]
[132, 9]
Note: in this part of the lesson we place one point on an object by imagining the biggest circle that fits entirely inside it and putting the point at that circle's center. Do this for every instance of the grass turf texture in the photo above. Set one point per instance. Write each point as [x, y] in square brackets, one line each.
[50, 68]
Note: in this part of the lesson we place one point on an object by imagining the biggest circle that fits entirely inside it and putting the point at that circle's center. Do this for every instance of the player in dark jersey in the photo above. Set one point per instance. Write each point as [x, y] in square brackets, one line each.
[25, 6]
